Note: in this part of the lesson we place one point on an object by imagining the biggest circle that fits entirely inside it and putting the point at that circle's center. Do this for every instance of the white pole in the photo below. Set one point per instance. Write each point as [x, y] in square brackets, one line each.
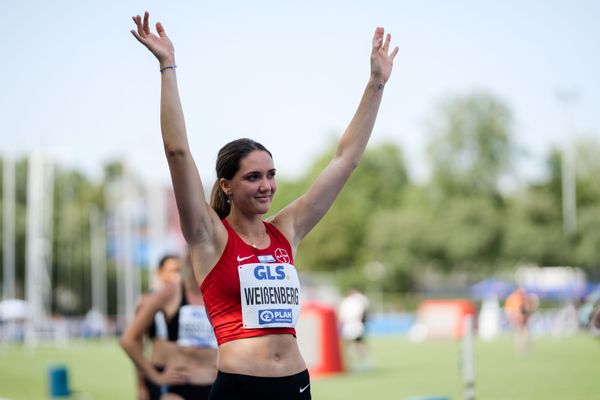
[8, 237]
[467, 359]
[98, 262]
[36, 245]
[114, 200]
[47, 230]
[127, 237]
[128, 282]
[568, 181]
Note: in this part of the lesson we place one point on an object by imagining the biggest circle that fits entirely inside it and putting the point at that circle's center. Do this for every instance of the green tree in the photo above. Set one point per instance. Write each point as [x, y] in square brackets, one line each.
[470, 145]
[377, 184]
[74, 196]
[587, 249]
[533, 230]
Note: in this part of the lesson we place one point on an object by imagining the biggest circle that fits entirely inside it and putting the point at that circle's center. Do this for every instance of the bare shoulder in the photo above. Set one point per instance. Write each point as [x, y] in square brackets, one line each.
[284, 222]
[205, 254]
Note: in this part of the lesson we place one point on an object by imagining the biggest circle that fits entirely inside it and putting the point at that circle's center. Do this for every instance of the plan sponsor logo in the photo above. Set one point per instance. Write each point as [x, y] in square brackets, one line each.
[280, 315]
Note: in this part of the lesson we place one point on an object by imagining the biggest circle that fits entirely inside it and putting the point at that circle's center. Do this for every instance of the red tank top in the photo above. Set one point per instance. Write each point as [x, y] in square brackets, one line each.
[221, 287]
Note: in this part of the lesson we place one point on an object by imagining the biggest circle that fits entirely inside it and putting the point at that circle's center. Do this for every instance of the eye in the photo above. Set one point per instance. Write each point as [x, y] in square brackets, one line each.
[252, 177]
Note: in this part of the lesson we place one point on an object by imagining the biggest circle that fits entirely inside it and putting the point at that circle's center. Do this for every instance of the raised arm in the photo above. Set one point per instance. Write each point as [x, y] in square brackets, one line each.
[303, 214]
[198, 220]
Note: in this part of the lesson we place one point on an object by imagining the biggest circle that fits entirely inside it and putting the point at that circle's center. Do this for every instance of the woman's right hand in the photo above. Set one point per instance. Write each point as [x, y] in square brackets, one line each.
[160, 45]
[173, 375]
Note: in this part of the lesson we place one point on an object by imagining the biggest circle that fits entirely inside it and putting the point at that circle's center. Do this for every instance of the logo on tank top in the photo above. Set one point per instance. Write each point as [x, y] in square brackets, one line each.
[282, 256]
[266, 259]
[278, 315]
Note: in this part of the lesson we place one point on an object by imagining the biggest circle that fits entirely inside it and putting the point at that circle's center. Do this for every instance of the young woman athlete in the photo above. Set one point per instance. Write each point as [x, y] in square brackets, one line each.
[184, 362]
[168, 273]
[244, 263]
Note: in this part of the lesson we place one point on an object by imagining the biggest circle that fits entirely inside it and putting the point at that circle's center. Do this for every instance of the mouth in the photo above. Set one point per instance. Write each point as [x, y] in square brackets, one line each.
[263, 199]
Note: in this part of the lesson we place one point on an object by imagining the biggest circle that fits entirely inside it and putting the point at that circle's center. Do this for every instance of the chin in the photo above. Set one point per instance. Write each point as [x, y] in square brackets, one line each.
[263, 210]
[263, 207]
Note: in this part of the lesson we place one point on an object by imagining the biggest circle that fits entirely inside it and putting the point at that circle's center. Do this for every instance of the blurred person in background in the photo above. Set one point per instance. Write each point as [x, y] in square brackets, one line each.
[519, 306]
[183, 362]
[167, 273]
[595, 320]
[245, 264]
[352, 316]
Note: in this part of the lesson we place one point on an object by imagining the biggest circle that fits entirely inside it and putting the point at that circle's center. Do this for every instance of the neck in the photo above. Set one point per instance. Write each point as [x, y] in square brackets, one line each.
[252, 226]
[252, 231]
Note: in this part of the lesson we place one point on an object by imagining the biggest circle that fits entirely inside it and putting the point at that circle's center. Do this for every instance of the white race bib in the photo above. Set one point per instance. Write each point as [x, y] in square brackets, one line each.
[195, 329]
[270, 295]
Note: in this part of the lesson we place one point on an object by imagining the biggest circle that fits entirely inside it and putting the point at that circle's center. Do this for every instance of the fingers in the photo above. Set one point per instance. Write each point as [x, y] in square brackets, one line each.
[386, 45]
[394, 52]
[178, 375]
[377, 38]
[138, 23]
[137, 36]
[379, 44]
[143, 27]
[146, 25]
[160, 30]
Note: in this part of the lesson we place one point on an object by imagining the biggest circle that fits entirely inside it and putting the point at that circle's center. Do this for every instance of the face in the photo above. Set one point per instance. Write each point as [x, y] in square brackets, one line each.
[170, 271]
[253, 186]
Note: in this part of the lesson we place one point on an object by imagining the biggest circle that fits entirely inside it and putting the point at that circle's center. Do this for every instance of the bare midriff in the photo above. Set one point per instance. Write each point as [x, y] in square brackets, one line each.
[161, 350]
[199, 363]
[265, 356]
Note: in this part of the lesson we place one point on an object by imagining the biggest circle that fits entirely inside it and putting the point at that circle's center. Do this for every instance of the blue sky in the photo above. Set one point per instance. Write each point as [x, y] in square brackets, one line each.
[76, 84]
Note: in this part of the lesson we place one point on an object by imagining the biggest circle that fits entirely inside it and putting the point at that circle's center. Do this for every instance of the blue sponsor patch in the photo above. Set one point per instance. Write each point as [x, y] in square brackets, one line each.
[266, 259]
[275, 316]
[269, 272]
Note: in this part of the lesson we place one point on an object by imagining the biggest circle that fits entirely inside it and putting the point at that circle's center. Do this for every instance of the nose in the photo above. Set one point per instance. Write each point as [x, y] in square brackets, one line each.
[265, 185]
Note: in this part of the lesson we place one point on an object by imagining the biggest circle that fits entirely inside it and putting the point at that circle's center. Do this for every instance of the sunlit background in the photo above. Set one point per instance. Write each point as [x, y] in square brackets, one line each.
[482, 173]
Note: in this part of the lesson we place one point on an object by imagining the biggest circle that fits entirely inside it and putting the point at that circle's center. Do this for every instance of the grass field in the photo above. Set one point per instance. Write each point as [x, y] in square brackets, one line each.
[556, 368]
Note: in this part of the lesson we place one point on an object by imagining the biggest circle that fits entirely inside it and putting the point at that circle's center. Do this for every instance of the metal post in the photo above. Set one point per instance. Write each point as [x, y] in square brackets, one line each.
[8, 237]
[468, 366]
[98, 262]
[569, 198]
[38, 246]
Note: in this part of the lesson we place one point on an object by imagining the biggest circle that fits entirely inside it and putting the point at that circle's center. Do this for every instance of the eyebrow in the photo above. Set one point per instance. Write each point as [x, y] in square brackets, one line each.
[258, 172]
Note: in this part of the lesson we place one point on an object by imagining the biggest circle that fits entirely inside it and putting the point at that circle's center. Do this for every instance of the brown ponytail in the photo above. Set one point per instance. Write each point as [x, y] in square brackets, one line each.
[218, 201]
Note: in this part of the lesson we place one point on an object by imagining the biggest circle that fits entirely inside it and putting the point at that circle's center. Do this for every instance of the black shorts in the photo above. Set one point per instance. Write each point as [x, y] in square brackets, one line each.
[245, 387]
[154, 390]
[194, 392]
[190, 392]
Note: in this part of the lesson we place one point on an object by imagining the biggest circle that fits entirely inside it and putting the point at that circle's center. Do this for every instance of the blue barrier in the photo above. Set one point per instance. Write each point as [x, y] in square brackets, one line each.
[58, 381]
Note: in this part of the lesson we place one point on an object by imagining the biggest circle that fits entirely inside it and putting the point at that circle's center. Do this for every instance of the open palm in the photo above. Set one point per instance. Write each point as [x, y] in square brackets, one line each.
[160, 45]
[381, 61]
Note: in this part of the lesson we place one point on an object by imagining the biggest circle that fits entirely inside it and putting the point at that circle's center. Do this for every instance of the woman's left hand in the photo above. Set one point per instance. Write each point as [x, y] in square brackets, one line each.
[381, 61]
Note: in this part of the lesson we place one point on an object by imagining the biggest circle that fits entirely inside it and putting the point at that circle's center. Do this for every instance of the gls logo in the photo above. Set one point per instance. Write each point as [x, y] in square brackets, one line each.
[262, 272]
